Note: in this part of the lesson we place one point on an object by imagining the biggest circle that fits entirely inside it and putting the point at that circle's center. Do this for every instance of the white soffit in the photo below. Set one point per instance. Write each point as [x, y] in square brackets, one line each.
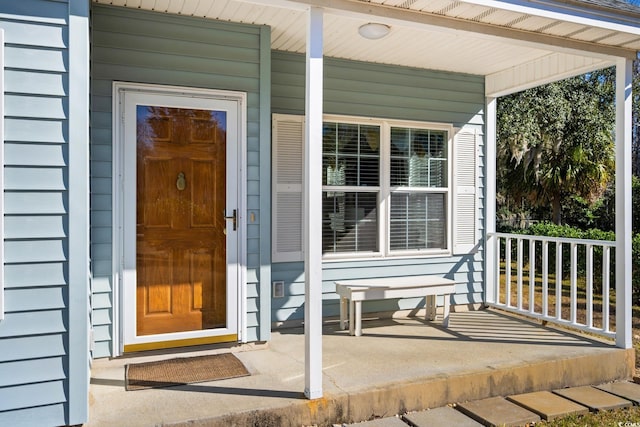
[412, 45]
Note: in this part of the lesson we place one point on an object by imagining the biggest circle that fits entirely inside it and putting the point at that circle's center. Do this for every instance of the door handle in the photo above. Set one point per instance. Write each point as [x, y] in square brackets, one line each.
[231, 218]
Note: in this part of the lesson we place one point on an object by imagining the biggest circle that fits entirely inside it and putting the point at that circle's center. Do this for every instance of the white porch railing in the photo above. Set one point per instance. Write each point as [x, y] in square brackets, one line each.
[559, 280]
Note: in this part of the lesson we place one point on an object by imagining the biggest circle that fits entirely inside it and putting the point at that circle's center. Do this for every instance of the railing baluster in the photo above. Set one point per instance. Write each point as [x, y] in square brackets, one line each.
[532, 276]
[574, 283]
[497, 266]
[606, 270]
[559, 280]
[589, 274]
[519, 265]
[507, 272]
[577, 310]
[545, 278]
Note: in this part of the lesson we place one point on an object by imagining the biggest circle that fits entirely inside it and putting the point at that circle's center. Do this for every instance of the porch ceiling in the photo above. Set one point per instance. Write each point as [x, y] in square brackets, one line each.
[516, 45]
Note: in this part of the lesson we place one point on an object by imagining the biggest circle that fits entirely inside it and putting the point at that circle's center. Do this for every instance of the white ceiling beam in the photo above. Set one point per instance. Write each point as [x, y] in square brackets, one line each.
[410, 18]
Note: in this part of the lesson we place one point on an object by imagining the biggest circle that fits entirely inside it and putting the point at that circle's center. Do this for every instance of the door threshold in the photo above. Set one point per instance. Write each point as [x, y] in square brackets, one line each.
[188, 342]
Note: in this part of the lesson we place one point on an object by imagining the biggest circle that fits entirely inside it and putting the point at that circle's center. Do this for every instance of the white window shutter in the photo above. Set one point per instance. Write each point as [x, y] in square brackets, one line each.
[465, 205]
[287, 191]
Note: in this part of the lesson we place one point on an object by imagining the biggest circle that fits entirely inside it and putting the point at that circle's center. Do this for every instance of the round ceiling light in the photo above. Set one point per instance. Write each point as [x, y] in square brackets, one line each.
[373, 31]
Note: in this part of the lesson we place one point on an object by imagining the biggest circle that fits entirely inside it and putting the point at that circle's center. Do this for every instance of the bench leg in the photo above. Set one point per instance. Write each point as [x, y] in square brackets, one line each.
[430, 307]
[445, 320]
[351, 315]
[343, 313]
[358, 325]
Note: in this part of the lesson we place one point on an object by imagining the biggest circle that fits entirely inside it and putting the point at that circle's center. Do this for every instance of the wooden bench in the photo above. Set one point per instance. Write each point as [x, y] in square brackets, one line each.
[353, 292]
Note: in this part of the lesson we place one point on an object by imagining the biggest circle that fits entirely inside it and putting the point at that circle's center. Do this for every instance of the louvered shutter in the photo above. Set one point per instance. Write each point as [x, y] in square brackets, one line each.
[465, 165]
[287, 192]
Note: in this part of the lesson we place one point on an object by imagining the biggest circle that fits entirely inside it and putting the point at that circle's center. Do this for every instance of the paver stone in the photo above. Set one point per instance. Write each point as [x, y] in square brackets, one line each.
[594, 399]
[445, 416]
[497, 411]
[381, 422]
[625, 389]
[548, 405]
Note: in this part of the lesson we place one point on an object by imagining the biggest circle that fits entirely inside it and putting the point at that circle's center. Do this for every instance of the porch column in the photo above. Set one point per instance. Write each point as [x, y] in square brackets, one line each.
[313, 208]
[490, 255]
[623, 202]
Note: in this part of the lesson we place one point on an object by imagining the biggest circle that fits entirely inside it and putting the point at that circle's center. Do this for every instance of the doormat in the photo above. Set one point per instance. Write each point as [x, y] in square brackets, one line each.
[185, 370]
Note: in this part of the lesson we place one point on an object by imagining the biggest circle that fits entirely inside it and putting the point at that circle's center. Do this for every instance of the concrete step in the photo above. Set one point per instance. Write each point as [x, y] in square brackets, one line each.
[445, 416]
[497, 411]
[594, 399]
[548, 405]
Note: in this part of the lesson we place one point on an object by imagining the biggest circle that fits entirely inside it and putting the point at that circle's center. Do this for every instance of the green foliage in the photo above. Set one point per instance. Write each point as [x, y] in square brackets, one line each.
[554, 230]
[556, 142]
[635, 268]
[635, 202]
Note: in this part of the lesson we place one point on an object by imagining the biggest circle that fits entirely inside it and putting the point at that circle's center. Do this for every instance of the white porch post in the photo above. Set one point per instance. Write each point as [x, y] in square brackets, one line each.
[490, 201]
[623, 202]
[313, 208]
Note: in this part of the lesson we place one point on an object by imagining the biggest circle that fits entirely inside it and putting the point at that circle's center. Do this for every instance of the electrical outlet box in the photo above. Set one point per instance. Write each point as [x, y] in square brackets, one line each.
[278, 289]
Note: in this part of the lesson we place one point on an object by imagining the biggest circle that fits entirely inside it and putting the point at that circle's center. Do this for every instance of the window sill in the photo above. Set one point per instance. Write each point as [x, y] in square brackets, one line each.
[380, 257]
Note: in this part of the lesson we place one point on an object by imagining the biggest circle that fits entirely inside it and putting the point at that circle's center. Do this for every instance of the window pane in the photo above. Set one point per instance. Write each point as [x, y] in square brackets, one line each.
[418, 158]
[349, 222]
[351, 155]
[417, 221]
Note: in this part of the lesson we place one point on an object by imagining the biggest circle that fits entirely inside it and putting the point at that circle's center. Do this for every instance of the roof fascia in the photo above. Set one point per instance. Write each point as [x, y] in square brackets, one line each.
[569, 12]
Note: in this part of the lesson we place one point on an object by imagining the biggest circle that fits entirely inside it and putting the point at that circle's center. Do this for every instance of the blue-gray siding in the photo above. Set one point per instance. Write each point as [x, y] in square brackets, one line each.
[383, 91]
[44, 336]
[146, 47]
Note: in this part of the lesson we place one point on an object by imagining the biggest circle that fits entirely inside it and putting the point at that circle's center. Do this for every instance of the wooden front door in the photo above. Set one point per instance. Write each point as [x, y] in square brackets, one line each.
[180, 226]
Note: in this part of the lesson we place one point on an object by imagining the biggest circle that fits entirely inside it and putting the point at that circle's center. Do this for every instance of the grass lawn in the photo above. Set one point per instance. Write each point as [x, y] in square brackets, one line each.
[619, 418]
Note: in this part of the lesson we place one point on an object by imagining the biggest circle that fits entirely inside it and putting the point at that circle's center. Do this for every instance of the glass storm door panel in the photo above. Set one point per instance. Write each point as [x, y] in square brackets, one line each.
[181, 259]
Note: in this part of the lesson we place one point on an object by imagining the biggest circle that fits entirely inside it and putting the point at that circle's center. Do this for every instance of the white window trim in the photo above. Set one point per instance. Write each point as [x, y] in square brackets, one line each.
[384, 190]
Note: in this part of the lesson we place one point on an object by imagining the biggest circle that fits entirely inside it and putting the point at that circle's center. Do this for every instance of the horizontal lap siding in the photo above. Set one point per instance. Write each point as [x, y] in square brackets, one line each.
[383, 91]
[375, 90]
[146, 47]
[33, 336]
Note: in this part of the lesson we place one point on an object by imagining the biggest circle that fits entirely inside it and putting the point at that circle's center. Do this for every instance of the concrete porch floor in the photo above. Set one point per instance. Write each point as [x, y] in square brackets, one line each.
[398, 365]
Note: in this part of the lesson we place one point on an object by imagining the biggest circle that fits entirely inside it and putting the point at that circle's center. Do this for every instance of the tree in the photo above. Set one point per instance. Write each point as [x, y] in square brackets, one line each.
[556, 141]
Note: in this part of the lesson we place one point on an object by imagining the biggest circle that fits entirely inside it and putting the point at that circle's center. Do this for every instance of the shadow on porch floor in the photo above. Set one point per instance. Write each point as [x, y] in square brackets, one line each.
[398, 365]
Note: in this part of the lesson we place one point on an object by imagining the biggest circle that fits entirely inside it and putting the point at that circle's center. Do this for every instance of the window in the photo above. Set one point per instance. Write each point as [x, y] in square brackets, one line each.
[389, 188]
[357, 195]
[419, 189]
[351, 185]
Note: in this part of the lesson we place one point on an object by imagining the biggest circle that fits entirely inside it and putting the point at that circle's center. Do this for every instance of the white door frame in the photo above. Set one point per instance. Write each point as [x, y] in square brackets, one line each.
[125, 98]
